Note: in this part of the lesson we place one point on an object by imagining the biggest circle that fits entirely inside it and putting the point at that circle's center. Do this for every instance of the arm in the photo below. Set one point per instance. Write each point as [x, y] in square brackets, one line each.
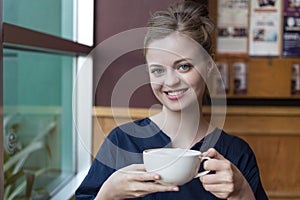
[228, 182]
[117, 172]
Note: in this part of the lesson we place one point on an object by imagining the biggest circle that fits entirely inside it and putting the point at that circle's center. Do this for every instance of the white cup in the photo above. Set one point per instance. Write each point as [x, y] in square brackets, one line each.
[174, 165]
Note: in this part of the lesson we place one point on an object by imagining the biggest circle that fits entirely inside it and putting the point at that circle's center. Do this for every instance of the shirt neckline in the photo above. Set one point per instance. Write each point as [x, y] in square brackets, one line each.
[196, 146]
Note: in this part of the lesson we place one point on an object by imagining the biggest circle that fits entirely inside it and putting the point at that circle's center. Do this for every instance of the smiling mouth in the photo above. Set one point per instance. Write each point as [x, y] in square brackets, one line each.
[176, 94]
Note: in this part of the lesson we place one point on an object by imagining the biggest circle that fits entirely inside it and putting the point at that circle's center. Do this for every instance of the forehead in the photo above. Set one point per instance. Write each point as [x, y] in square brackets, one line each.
[175, 46]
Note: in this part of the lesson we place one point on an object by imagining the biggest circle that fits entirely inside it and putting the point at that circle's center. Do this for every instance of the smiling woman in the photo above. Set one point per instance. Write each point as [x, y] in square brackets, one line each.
[177, 50]
[180, 71]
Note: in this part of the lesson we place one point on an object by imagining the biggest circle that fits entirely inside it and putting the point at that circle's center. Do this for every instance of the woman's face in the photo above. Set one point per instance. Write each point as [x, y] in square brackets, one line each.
[177, 68]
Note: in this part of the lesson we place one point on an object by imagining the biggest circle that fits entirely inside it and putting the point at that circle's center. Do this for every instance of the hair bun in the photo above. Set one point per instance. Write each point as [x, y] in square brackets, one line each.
[187, 17]
[200, 5]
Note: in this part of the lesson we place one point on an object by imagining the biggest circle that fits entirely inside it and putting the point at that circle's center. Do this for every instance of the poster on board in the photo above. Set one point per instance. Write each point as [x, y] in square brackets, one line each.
[291, 29]
[265, 28]
[232, 27]
[291, 37]
[291, 8]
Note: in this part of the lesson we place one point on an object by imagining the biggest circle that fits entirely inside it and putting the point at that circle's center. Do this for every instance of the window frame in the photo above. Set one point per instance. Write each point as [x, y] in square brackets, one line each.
[20, 38]
[1, 106]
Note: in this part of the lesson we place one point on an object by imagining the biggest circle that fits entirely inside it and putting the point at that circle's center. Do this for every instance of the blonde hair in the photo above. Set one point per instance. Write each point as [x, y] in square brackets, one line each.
[187, 17]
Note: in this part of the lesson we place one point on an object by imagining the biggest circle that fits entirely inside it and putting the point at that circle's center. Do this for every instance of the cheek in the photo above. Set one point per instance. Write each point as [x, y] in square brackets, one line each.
[156, 89]
[197, 82]
[156, 82]
[155, 85]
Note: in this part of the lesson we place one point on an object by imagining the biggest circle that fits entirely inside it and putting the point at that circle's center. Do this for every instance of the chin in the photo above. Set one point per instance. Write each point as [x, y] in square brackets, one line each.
[174, 109]
[191, 106]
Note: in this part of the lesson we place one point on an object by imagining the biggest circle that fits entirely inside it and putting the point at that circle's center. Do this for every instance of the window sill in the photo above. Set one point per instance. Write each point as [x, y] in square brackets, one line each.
[68, 191]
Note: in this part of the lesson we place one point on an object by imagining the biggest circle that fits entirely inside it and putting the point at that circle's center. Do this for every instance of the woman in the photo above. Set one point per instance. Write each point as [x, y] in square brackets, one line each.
[177, 49]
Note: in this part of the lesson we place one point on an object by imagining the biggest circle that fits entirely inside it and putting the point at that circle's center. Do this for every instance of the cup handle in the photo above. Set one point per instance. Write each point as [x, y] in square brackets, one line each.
[204, 172]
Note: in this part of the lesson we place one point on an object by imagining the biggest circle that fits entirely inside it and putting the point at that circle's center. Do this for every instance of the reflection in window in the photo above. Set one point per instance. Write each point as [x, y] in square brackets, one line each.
[37, 123]
[48, 16]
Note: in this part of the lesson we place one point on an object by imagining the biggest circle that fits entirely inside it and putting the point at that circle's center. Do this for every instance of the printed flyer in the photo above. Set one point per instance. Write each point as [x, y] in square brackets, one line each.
[291, 37]
[291, 7]
[265, 28]
[291, 29]
[232, 27]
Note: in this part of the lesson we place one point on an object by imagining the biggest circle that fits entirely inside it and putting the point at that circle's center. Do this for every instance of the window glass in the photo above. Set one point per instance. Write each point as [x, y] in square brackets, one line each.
[48, 16]
[37, 123]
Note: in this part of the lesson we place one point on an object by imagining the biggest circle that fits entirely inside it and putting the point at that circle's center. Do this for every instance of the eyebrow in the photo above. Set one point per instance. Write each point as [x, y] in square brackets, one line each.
[180, 60]
[174, 64]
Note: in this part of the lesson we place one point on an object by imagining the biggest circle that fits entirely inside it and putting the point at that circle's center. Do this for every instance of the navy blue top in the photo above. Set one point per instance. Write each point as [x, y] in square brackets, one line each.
[125, 144]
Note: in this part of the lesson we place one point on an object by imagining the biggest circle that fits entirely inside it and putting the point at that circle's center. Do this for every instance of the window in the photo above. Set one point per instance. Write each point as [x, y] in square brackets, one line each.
[46, 101]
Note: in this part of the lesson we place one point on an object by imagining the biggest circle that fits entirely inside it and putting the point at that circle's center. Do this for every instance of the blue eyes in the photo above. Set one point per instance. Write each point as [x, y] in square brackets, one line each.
[159, 70]
[184, 67]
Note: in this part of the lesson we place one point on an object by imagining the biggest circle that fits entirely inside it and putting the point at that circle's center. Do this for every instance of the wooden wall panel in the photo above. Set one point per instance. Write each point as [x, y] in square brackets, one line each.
[278, 162]
[266, 77]
[269, 78]
[272, 132]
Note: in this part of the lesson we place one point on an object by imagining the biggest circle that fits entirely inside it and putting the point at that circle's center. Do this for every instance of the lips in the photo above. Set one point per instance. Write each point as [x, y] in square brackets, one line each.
[175, 94]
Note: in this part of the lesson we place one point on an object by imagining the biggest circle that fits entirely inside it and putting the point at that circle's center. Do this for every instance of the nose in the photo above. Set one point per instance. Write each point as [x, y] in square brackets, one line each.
[172, 78]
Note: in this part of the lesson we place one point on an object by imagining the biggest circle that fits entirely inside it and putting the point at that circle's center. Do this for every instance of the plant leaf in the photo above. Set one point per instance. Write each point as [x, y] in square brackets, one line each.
[46, 131]
[25, 152]
[38, 137]
[29, 183]
[12, 179]
[17, 191]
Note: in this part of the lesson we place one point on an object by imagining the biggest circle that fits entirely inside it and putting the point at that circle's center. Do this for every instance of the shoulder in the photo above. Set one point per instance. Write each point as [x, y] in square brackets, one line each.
[223, 142]
[137, 135]
[135, 129]
[232, 141]
[235, 149]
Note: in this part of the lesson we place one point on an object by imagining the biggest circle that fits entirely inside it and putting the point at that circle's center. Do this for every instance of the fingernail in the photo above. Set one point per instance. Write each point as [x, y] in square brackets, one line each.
[156, 177]
[175, 189]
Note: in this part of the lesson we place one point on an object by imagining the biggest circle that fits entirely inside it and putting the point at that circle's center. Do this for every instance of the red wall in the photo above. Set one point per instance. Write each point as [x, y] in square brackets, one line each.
[113, 17]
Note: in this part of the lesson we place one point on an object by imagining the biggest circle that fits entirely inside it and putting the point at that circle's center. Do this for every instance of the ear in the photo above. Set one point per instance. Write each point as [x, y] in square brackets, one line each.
[213, 55]
[211, 64]
[210, 67]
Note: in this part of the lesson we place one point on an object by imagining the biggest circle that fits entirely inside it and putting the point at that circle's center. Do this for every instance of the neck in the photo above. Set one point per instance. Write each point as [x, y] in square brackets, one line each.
[185, 128]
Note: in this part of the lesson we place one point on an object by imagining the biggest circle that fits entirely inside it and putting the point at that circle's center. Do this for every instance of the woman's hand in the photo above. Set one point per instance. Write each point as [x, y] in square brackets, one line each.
[131, 182]
[228, 182]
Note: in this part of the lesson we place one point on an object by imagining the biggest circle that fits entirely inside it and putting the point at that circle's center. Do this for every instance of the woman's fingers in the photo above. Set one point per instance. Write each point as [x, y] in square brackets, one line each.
[218, 188]
[212, 153]
[136, 172]
[217, 165]
[135, 182]
[140, 189]
[225, 179]
[144, 176]
[218, 178]
[142, 182]
[133, 167]
[151, 187]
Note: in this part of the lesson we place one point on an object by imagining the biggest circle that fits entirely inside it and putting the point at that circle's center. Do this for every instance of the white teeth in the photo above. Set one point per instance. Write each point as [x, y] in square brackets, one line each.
[175, 93]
